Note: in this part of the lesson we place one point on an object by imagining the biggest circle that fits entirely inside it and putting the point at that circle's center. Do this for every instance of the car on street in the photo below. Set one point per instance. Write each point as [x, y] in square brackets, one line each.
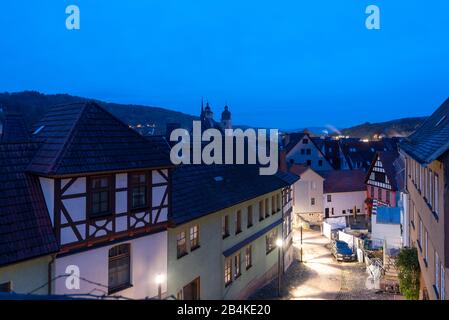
[342, 252]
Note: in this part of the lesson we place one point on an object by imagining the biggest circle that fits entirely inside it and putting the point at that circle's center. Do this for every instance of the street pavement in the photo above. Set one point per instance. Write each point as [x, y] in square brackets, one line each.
[320, 276]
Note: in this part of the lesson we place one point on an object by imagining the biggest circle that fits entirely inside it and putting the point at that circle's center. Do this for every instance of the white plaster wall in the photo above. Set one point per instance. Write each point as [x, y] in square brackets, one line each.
[48, 189]
[157, 178]
[148, 259]
[121, 180]
[79, 186]
[309, 186]
[76, 207]
[391, 233]
[345, 201]
[121, 202]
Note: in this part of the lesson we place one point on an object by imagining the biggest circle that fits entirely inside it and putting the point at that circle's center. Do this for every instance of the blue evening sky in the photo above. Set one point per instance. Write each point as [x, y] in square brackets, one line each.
[285, 64]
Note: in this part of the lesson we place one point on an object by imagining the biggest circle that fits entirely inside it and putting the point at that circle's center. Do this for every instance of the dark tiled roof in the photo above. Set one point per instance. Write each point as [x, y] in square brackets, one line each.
[431, 139]
[294, 138]
[298, 169]
[25, 227]
[330, 149]
[364, 152]
[343, 181]
[14, 129]
[83, 137]
[202, 189]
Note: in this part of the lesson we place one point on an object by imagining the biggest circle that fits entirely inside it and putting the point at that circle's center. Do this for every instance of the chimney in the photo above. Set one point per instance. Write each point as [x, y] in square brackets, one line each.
[283, 160]
[286, 139]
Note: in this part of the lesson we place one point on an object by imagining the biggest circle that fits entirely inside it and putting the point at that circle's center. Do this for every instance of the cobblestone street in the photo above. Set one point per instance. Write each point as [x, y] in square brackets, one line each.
[321, 277]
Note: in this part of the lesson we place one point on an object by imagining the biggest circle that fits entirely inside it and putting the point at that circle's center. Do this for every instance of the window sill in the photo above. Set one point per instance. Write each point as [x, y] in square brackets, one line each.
[249, 226]
[226, 236]
[419, 245]
[121, 288]
[435, 215]
[137, 210]
[228, 284]
[99, 216]
[182, 255]
[249, 267]
[413, 224]
[237, 276]
[261, 219]
[194, 248]
[436, 292]
[238, 232]
[425, 262]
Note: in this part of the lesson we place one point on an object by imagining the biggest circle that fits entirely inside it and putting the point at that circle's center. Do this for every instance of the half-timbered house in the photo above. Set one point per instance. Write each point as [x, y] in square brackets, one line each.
[106, 190]
[386, 200]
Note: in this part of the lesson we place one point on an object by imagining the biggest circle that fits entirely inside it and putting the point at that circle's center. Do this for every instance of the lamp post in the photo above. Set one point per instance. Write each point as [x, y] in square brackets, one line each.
[159, 280]
[279, 244]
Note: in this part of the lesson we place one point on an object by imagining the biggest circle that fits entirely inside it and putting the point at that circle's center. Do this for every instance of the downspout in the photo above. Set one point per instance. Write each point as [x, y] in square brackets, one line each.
[49, 275]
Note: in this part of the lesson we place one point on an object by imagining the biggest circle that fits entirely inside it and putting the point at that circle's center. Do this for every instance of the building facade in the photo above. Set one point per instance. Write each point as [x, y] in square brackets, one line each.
[301, 149]
[344, 193]
[427, 163]
[105, 190]
[229, 252]
[308, 194]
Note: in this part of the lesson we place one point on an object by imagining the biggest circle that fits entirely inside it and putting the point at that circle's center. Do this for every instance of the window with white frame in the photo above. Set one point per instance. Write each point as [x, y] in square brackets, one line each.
[426, 239]
[436, 195]
[429, 199]
[443, 285]
[437, 273]
[420, 235]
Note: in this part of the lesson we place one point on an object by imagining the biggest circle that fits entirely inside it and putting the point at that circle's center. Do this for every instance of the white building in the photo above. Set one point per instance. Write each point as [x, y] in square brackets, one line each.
[344, 193]
[308, 194]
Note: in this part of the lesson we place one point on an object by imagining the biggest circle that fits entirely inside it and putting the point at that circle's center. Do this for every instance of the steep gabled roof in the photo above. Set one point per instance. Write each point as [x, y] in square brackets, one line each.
[343, 181]
[14, 129]
[199, 190]
[393, 166]
[83, 137]
[431, 139]
[294, 138]
[25, 227]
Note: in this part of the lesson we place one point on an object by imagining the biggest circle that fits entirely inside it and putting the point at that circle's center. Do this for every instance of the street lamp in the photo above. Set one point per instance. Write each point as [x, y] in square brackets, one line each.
[279, 244]
[159, 280]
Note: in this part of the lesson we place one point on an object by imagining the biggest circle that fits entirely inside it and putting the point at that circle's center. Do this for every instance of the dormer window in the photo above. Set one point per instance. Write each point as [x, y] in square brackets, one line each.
[305, 141]
[100, 196]
[139, 190]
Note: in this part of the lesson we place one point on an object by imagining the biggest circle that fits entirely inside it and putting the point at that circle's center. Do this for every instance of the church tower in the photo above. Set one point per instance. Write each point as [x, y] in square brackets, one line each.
[226, 118]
